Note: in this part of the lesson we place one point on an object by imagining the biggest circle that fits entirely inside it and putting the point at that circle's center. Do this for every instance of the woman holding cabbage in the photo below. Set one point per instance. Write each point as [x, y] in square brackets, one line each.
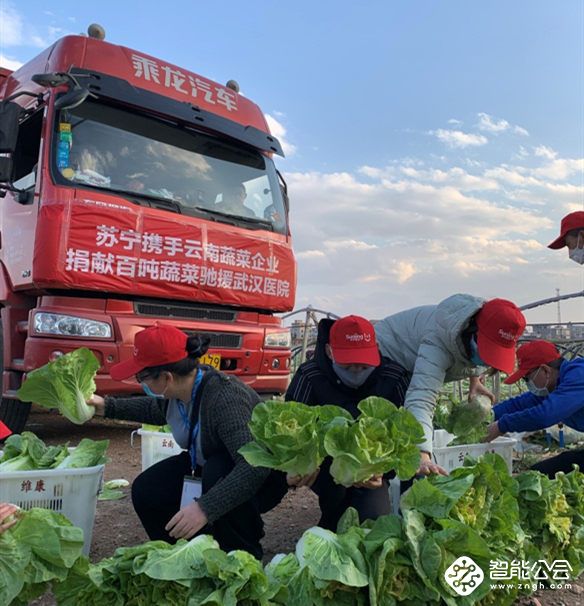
[209, 488]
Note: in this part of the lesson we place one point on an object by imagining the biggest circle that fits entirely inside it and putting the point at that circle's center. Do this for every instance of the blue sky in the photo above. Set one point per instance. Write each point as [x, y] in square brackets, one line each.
[433, 146]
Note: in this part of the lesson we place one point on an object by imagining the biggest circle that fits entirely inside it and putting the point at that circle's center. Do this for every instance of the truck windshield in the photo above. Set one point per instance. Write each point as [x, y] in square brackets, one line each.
[112, 149]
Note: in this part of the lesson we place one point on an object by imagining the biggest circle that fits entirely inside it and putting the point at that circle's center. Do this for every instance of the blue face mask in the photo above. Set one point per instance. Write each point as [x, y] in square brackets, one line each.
[474, 353]
[150, 393]
[350, 378]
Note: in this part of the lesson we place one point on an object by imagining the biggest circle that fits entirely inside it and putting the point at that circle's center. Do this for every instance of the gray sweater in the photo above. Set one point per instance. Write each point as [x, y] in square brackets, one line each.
[427, 341]
[226, 405]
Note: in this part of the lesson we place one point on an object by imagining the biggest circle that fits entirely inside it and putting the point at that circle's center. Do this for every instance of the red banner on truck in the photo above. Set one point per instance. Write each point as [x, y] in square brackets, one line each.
[104, 246]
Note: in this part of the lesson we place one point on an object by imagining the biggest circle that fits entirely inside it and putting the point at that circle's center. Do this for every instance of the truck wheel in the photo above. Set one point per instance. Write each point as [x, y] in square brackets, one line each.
[13, 412]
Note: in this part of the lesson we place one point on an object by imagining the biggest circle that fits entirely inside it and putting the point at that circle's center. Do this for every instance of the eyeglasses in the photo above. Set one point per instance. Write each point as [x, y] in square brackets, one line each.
[142, 376]
[531, 374]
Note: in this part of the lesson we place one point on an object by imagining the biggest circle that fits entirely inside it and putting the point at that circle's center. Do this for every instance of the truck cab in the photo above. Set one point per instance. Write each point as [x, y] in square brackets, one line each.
[136, 191]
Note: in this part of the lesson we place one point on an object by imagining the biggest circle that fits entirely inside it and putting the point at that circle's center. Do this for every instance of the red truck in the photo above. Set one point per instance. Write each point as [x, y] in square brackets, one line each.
[136, 191]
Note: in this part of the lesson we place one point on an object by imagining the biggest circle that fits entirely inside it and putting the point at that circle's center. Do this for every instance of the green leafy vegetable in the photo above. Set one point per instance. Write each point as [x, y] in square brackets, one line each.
[40, 548]
[66, 384]
[25, 452]
[289, 435]
[467, 420]
[384, 438]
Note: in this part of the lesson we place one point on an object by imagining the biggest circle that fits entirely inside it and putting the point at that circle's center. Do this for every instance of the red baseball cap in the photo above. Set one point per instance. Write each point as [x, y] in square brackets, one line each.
[500, 324]
[156, 345]
[5, 431]
[352, 341]
[572, 221]
[532, 355]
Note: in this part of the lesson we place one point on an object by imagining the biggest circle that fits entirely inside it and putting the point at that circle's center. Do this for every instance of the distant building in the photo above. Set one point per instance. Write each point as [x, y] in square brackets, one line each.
[297, 329]
[569, 331]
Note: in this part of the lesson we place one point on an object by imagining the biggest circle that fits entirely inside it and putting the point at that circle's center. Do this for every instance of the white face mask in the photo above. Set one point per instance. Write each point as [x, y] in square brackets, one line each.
[541, 392]
[577, 254]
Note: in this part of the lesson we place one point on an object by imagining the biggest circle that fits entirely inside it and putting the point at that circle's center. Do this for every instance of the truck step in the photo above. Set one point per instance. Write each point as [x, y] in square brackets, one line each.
[18, 363]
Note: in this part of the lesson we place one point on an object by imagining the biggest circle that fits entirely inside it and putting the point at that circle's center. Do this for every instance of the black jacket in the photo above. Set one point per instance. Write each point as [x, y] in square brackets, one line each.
[315, 381]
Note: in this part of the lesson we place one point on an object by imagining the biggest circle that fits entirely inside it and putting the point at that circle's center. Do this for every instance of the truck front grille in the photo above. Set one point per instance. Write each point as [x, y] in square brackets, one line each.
[220, 340]
[185, 312]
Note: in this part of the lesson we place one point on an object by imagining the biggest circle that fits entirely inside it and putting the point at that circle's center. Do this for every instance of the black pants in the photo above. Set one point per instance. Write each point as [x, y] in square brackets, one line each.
[562, 462]
[156, 495]
[335, 499]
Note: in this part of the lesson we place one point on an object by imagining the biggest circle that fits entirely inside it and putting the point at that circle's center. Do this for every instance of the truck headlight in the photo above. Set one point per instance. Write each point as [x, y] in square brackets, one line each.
[70, 326]
[278, 339]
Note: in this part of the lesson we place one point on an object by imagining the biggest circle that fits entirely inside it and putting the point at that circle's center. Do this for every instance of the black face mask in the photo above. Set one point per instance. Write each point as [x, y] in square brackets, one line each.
[350, 378]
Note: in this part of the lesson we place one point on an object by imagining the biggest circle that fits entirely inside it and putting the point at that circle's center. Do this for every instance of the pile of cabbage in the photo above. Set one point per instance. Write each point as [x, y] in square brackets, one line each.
[27, 452]
[479, 511]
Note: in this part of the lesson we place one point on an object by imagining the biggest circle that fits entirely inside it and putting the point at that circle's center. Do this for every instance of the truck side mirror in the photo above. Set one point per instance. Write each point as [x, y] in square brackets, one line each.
[10, 113]
[72, 99]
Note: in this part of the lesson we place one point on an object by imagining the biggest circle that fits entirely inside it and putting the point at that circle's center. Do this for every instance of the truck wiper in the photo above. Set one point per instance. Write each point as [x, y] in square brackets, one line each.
[168, 202]
[232, 217]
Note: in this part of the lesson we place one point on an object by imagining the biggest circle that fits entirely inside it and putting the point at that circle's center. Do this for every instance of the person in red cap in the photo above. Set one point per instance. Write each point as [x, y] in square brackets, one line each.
[572, 236]
[459, 338]
[556, 395]
[209, 487]
[347, 368]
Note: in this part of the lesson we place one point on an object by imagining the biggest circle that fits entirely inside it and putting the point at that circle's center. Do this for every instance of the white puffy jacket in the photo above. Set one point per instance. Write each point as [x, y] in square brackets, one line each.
[427, 341]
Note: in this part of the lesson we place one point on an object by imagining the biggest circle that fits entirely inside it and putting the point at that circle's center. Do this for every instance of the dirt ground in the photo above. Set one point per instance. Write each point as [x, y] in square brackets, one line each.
[117, 525]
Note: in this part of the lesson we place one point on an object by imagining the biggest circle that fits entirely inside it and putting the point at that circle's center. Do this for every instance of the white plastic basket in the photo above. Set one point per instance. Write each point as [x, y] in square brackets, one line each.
[72, 492]
[451, 457]
[156, 446]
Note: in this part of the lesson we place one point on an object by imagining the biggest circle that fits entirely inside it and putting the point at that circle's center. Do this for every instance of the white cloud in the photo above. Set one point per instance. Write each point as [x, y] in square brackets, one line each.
[11, 30]
[496, 126]
[545, 152]
[8, 63]
[385, 238]
[561, 168]
[455, 122]
[279, 131]
[458, 138]
[17, 31]
[492, 125]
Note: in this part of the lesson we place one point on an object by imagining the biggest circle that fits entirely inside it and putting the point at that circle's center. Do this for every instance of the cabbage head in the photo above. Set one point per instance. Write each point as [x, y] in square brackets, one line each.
[66, 384]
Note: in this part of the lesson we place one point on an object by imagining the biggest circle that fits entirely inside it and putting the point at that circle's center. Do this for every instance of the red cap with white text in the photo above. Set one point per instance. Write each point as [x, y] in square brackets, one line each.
[352, 341]
[500, 324]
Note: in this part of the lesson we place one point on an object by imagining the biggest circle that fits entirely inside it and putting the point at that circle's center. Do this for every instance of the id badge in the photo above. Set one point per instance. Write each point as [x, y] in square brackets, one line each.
[192, 490]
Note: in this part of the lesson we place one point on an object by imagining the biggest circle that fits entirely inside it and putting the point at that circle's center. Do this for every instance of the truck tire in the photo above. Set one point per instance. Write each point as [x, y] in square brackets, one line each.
[13, 412]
